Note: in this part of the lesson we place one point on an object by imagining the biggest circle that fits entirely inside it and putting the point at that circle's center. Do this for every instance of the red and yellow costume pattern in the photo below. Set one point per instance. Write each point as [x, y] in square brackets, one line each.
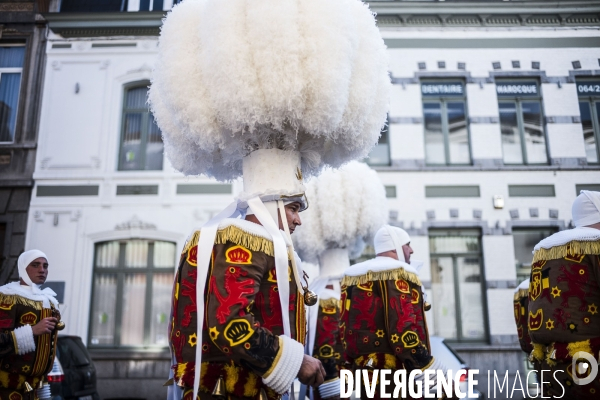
[520, 306]
[328, 347]
[240, 339]
[15, 369]
[383, 322]
[564, 313]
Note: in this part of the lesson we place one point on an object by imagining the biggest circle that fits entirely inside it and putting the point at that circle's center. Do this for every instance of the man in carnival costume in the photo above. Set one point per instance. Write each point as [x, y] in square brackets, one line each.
[383, 310]
[564, 301]
[254, 88]
[29, 320]
[348, 206]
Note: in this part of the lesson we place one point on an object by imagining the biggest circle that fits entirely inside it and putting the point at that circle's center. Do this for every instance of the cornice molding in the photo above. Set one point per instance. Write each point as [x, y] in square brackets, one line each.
[95, 24]
[389, 14]
[486, 14]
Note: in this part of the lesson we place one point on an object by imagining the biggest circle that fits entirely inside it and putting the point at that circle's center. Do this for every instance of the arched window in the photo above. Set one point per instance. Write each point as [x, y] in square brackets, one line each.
[141, 140]
[131, 296]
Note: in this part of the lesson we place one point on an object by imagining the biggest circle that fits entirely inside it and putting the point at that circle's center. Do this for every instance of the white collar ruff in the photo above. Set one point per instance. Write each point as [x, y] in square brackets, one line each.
[581, 234]
[46, 296]
[379, 264]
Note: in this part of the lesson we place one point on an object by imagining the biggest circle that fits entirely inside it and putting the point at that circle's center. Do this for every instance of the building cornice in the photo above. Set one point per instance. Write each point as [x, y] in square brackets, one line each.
[96, 24]
[389, 14]
[486, 14]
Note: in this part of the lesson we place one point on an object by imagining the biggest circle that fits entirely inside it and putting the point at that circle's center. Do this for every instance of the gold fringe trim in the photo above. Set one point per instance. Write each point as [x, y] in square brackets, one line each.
[11, 299]
[389, 275]
[389, 361]
[574, 347]
[538, 352]
[238, 236]
[231, 372]
[572, 248]
[519, 294]
[329, 303]
[193, 241]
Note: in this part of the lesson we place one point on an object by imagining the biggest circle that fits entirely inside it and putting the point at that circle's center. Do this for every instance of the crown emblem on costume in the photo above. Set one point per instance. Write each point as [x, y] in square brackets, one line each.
[402, 286]
[410, 339]
[238, 255]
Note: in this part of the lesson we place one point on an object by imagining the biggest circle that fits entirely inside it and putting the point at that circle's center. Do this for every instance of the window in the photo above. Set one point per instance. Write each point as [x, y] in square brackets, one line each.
[589, 109]
[523, 138]
[457, 284]
[525, 240]
[11, 67]
[131, 296]
[141, 140]
[445, 120]
[380, 155]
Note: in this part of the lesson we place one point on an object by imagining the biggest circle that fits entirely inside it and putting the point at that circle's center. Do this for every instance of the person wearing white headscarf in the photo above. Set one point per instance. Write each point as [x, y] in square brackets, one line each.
[383, 312]
[28, 319]
[564, 300]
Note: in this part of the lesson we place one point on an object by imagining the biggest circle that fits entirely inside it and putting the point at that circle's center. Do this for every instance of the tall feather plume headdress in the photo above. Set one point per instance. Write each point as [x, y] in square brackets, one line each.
[235, 76]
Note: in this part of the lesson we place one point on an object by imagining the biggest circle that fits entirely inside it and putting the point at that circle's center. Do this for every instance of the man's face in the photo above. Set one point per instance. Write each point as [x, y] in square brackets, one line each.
[38, 270]
[407, 250]
[292, 215]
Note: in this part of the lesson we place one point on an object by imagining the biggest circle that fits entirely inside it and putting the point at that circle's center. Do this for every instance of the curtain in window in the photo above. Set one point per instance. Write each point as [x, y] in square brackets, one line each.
[141, 143]
[132, 317]
[12, 57]
[103, 315]
[456, 272]
[9, 97]
[132, 287]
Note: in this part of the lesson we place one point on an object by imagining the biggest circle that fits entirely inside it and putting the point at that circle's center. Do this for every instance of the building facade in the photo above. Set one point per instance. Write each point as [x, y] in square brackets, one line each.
[22, 54]
[493, 129]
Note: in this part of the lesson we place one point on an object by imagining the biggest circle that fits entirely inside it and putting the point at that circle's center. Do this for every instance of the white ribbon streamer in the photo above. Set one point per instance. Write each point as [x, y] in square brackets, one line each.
[205, 247]
[281, 258]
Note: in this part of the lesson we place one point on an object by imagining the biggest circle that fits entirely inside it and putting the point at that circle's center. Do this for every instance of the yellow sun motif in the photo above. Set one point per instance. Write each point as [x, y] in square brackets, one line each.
[549, 324]
[26, 368]
[593, 309]
[213, 332]
[556, 292]
[193, 339]
[395, 338]
[380, 333]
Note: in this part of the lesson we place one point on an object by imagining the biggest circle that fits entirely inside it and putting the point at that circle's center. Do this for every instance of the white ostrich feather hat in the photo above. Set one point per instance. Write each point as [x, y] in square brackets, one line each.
[308, 77]
[348, 206]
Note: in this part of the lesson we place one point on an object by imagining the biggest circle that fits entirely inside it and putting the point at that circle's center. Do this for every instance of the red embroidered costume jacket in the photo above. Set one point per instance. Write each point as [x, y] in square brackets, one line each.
[564, 313]
[383, 317]
[240, 339]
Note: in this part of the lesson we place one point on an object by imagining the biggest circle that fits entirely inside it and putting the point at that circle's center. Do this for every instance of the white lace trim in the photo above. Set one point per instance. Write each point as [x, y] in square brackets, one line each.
[25, 342]
[379, 264]
[46, 296]
[582, 234]
[281, 377]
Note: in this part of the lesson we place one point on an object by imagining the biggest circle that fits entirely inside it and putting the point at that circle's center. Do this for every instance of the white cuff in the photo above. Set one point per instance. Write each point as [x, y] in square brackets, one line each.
[330, 388]
[286, 365]
[44, 393]
[25, 342]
